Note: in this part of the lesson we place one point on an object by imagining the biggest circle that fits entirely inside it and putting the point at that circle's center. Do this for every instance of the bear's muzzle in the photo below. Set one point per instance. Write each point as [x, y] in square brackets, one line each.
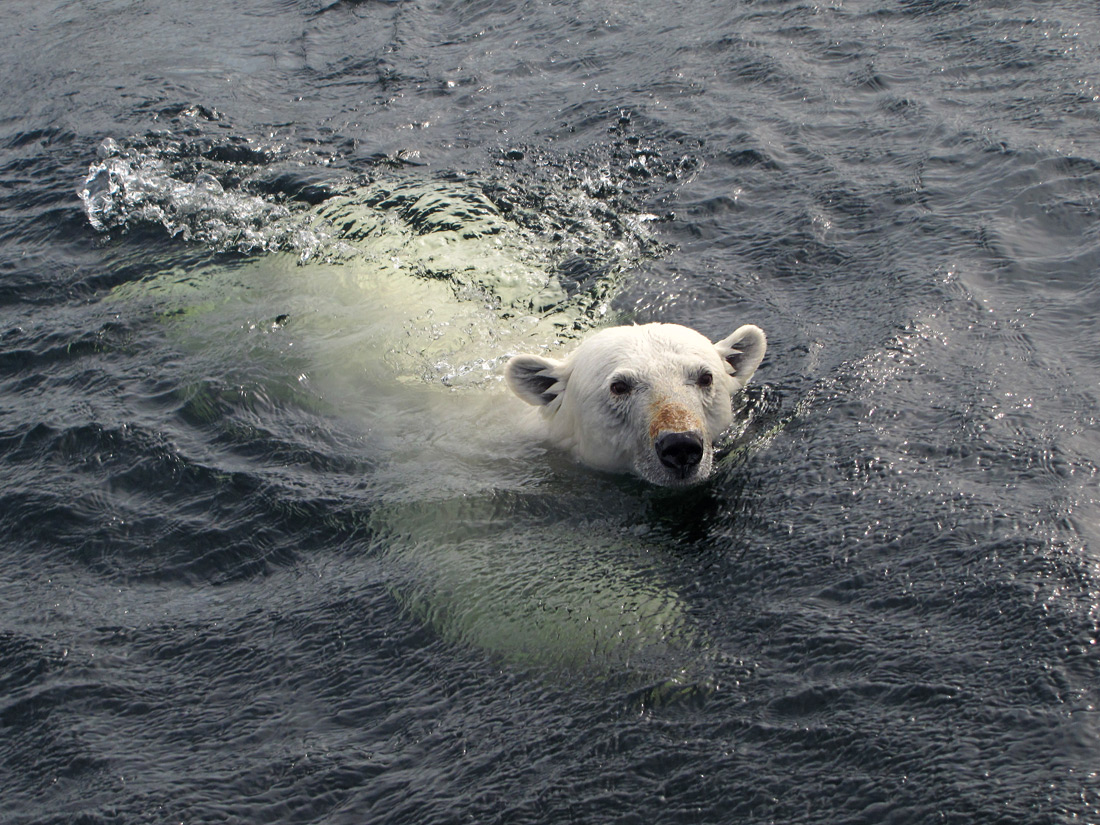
[677, 437]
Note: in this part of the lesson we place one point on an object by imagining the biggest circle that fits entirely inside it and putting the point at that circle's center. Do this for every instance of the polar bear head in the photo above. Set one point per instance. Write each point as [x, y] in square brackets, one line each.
[650, 399]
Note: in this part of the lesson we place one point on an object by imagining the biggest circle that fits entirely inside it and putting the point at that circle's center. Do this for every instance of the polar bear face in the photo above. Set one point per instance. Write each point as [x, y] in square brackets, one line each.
[647, 399]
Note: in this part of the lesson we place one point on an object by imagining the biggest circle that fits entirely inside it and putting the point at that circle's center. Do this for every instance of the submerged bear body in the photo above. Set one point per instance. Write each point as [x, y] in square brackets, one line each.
[368, 343]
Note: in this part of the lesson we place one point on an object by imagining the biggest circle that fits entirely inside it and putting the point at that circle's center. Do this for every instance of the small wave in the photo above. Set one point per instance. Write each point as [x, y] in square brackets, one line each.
[128, 187]
[542, 237]
[236, 194]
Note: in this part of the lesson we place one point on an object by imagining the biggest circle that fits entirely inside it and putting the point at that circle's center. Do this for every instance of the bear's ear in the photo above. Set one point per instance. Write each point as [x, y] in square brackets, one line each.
[743, 351]
[536, 380]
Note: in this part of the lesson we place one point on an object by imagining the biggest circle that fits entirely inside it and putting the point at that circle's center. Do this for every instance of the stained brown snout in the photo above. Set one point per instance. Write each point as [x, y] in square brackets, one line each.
[677, 437]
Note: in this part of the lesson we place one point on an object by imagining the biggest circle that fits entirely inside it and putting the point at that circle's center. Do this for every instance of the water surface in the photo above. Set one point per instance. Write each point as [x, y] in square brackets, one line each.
[251, 572]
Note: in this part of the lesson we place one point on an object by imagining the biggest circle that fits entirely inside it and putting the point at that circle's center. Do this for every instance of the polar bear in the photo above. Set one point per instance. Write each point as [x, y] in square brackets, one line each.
[649, 399]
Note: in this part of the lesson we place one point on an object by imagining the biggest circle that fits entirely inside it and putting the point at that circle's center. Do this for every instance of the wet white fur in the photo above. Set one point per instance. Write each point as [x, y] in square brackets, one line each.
[661, 364]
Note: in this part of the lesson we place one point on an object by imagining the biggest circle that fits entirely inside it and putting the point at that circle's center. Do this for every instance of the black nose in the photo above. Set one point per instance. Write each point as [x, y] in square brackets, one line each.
[680, 451]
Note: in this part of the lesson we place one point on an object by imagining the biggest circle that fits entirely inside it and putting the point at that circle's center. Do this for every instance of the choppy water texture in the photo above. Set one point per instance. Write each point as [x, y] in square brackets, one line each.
[272, 549]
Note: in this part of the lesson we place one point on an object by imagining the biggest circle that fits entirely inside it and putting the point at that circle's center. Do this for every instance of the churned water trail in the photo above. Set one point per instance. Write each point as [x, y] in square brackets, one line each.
[275, 547]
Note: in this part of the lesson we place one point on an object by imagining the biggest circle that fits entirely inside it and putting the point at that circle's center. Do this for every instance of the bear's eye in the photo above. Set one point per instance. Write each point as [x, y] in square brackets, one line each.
[704, 380]
[620, 387]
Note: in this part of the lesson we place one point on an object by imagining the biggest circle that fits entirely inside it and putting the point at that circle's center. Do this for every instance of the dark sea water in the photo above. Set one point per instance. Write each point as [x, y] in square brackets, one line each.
[271, 554]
